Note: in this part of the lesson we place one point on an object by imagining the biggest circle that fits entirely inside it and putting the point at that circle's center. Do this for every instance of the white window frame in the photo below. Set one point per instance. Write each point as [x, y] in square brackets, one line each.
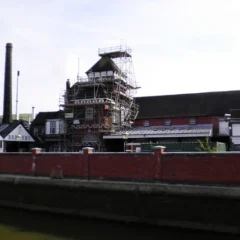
[167, 122]
[192, 121]
[52, 127]
[89, 113]
[146, 123]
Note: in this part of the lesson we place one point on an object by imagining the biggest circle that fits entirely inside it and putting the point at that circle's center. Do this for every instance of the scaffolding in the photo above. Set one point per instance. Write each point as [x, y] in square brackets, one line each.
[101, 103]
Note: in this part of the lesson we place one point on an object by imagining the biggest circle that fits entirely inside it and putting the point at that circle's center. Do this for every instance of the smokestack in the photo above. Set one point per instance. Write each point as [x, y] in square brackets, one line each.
[7, 102]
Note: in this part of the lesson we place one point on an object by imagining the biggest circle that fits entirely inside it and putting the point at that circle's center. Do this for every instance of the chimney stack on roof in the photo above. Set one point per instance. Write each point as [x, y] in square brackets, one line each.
[7, 104]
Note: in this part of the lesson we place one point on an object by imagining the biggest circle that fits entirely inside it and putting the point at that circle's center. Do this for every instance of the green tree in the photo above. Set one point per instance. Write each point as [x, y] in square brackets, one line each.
[205, 146]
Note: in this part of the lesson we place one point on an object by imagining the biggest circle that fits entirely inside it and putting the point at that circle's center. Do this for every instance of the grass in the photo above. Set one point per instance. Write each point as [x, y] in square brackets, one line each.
[10, 233]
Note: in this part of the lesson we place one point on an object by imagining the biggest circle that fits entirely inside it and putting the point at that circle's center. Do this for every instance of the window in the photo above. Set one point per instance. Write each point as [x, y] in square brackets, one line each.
[42, 131]
[76, 122]
[192, 121]
[167, 122]
[146, 123]
[1, 144]
[116, 118]
[53, 126]
[35, 132]
[89, 114]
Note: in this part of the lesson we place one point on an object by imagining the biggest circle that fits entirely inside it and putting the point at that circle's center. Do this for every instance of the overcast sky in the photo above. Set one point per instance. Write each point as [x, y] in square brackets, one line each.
[179, 46]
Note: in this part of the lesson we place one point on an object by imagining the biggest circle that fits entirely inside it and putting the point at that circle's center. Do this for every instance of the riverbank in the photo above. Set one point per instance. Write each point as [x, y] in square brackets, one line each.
[25, 225]
[202, 207]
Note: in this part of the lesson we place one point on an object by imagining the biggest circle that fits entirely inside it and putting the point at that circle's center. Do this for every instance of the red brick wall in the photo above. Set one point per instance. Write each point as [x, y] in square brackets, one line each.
[123, 166]
[15, 163]
[171, 167]
[70, 164]
[182, 121]
[201, 167]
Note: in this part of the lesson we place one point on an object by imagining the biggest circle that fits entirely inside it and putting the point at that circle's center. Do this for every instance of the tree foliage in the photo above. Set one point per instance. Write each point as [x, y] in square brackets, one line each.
[205, 146]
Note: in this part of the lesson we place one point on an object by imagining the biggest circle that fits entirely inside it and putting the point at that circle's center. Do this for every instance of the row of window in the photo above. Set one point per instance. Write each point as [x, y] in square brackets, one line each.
[53, 124]
[168, 122]
[88, 114]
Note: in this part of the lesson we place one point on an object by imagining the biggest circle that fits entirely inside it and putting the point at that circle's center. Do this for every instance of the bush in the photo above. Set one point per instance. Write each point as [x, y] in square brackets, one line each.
[206, 146]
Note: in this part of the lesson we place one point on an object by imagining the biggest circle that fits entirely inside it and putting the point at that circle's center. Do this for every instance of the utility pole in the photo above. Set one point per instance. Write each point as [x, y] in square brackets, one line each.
[18, 74]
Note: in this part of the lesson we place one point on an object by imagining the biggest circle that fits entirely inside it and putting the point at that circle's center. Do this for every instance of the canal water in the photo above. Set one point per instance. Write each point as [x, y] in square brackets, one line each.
[24, 225]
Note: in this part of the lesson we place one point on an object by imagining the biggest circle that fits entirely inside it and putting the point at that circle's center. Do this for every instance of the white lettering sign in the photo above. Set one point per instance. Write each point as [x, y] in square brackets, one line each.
[19, 138]
[93, 101]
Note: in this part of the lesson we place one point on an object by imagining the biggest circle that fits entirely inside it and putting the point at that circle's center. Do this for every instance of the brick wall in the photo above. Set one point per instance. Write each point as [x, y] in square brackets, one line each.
[157, 166]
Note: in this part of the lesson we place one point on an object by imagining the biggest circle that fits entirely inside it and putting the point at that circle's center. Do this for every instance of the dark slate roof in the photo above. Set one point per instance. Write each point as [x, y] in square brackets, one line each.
[104, 64]
[84, 92]
[9, 128]
[41, 117]
[192, 104]
[235, 113]
[3, 126]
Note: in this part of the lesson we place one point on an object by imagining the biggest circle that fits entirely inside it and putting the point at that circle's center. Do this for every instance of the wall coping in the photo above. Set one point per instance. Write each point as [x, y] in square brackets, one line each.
[122, 153]
[159, 147]
[15, 153]
[201, 153]
[60, 153]
[85, 148]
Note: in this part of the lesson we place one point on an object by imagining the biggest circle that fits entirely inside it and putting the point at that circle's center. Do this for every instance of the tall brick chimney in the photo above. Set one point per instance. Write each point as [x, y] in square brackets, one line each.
[7, 102]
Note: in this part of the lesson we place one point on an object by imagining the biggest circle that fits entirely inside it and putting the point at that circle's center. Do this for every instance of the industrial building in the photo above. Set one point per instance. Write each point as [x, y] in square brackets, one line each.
[179, 121]
[103, 112]
[101, 103]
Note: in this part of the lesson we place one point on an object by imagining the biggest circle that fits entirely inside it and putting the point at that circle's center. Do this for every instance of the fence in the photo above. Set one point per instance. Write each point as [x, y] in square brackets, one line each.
[152, 166]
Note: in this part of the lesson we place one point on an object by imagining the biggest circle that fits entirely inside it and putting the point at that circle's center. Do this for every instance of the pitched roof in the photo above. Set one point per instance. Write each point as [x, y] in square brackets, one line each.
[198, 130]
[105, 63]
[3, 126]
[192, 104]
[5, 129]
[43, 116]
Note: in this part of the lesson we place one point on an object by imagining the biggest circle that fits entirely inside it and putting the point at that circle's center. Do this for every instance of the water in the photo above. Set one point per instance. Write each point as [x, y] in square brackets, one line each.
[22, 225]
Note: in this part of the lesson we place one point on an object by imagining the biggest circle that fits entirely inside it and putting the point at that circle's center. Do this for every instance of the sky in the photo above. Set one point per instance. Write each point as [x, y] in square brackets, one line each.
[178, 46]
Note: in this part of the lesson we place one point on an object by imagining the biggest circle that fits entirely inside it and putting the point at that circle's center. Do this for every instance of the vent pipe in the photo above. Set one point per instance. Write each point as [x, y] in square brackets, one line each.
[7, 102]
[33, 114]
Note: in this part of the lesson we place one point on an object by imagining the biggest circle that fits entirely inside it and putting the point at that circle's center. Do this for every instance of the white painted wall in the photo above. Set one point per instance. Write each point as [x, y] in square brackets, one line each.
[224, 127]
[47, 127]
[103, 74]
[19, 134]
[61, 127]
[236, 140]
[109, 73]
[1, 144]
[97, 74]
[236, 129]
